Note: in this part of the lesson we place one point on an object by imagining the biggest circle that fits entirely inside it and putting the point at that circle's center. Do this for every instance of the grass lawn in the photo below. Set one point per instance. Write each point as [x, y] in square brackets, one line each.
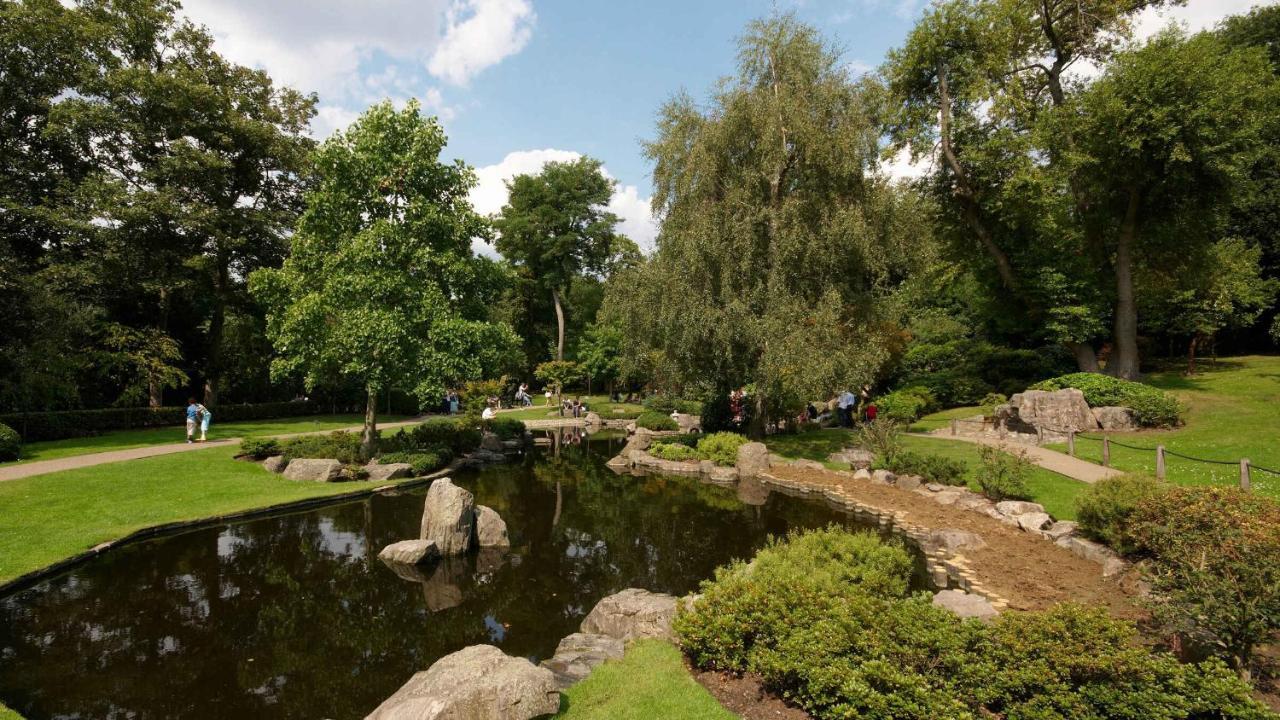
[938, 420]
[595, 403]
[7, 714]
[1233, 411]
[128, 439]
[1056, 492]
[50, 517]
[650, 681]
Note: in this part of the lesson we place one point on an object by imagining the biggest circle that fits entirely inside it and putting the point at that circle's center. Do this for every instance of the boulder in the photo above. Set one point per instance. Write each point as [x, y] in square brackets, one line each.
[619, 462]
[688, 423]
[1112, 417]
[390, 471]
[594, 419]
[856, 458]
[935, 487]
[753, 459]
[633, 614]
[641, 440]
[275, 463]
[1112, 564]
[1033, 521]
[476, 682]
[313, 470]
[579, 653]
[410, 552]
[491, 529]
[723, 475]
[947, 497]
[1018, 507]
[909, 482]
[491, 443]
[862, 474]
[954, 540]
[965, 605]
[1054, 411]
[1060, 529]
[448, 517]
[883, 477]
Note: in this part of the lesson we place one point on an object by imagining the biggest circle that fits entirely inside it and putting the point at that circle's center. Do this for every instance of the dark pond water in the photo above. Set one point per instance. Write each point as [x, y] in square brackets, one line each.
[295, 617]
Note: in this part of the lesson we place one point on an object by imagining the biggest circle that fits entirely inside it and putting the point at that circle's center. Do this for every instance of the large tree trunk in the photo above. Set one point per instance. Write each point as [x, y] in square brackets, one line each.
[555, 297]
[217, 323]
[1191, 354]
[759, 423]
[1086, 357]
[1124, 361]
[369, 436]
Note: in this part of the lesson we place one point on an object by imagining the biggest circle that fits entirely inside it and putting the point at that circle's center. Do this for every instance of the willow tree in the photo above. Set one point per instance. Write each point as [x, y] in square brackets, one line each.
[381, 285]
[775, 246]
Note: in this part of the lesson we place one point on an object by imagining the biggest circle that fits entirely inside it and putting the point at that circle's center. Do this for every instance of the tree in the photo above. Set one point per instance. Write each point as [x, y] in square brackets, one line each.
[600, 354]
[777, 240]
[142, 361]
[555, 227]
[557, 374]
[380, 284]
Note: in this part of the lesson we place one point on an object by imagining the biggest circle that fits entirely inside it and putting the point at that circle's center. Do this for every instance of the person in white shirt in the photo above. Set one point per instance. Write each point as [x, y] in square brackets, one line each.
[488, 414]
[846, 403]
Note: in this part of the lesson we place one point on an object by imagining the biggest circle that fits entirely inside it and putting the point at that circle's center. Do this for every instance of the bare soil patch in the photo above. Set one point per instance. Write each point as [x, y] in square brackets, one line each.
[746, 697]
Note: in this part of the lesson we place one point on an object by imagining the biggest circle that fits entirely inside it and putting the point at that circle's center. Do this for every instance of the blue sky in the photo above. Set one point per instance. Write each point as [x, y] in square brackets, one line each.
[520, 82]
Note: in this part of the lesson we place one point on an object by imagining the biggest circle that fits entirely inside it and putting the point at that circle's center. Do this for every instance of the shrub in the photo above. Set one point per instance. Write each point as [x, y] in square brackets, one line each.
[259, 448]
[881, 438]
[1003, 475]
[674, 451]
[665, 405]
[422, 462]
[717, 414]
[341, 446]
[656, 421]
[459, 435]
[722, 448]
[990, 402]
[1151, 406]
[1105, 507]
[10, 444]
[507, 428]
[933, 468]
[902, 406]
[1215, 565]
[475, 394]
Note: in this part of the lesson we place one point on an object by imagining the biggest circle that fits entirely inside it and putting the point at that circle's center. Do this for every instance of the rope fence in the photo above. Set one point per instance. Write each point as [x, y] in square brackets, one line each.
[1247, 468]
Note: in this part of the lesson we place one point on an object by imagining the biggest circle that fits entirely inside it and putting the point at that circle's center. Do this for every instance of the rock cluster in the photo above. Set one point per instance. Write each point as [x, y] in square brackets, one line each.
[616, 620]
[452, 520]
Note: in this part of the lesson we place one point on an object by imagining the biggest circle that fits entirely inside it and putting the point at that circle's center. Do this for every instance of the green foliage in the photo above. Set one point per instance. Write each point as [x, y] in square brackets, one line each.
[459, 435]
[933, 468]
[1105, 507]
[341, 446]
[674, 451]
[10, 444]
[422, 462]
[721, 448]
[990, 402]
[882, 438]
[907, 404]
[656, 421]
[507, 428]
[1215, 565]
[1004, 473]
[666, 405]
[141, 361]
[599, 355]
[558, 374]
[718, 416]
[41, 426]
[475, 394]
[259, 448]
[1152, 407]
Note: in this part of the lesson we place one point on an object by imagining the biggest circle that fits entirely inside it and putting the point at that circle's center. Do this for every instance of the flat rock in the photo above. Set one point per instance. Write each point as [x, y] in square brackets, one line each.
[1111, 562]
[448, 516]
[856, 457]
[862, 474]
[908, 482]
[275, 464]
[723, 474]
[632, 614]
[1112, 417]
[947, 497]
[491, 529]
[1018, 507]
[753, 459]
[953, 539]
[578, 654]
[1034, 521]
[410, 552]
[935, 487]
[476, 682]
[883, 477]
[313, 470]
[965, 605]
[389, 471]
[1060, 529]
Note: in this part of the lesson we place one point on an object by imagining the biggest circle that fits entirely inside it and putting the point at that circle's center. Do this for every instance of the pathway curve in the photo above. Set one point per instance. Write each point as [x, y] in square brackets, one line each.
[1061, 463]
[44, 467]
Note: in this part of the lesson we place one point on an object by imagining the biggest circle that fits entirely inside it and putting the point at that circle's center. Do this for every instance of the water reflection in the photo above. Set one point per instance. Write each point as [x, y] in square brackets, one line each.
[294, 616]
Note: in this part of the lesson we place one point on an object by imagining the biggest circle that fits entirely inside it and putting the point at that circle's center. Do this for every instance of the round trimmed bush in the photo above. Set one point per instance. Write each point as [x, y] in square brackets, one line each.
[10, 443]
[722, 448]
[674, 451]
[656, 421]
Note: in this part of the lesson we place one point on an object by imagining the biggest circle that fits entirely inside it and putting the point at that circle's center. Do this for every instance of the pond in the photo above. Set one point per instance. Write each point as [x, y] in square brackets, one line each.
[293, 616]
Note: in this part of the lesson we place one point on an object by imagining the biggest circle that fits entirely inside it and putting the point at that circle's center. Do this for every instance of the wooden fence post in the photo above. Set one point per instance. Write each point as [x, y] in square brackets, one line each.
[1071, 443]
[954, 424]
[1106, 451]
[1160, 471]
[1039, 435]
[1245, 482]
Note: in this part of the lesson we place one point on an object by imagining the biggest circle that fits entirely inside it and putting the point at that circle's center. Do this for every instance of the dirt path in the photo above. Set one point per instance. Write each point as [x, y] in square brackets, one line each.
[1028, 571]
[44, 467]
[1061, 463]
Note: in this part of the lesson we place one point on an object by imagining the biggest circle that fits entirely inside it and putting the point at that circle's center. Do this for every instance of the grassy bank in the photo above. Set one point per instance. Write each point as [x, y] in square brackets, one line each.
[595, 403]
[129, 439]
[649, 682]
[1232, 412]
[50, 517]
[1056, 492]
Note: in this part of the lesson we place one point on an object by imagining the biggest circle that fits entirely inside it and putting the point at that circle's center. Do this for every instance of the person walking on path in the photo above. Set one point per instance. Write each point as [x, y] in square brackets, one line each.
[845, 405]
[205, 418]
[193, 413]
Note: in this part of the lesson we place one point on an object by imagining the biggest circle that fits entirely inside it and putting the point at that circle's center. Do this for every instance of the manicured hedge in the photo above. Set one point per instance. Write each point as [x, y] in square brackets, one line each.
[656, 421]
[1152, 407]
[666, 405]
[38, 426]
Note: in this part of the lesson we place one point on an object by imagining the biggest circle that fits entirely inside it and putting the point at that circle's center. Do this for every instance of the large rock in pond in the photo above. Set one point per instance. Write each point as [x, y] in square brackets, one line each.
[313, 470]
[491, 442]
[448, 517]
[1054, 411]
[579, 653]
[379, 472]
[410, 552]
[632, 614]
[1112, 417]
[965, 605]
[753, 459]
[476, 683]
[491, 529]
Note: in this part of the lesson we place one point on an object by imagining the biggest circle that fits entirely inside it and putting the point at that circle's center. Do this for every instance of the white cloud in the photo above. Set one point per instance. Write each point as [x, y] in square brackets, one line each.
[492, 30]
[900, 166]
[330, 118]
[490, 194]
[1195, 16]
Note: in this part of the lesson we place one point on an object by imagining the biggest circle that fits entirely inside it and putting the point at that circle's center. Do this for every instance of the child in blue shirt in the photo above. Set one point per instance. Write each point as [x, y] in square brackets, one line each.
[193, 411]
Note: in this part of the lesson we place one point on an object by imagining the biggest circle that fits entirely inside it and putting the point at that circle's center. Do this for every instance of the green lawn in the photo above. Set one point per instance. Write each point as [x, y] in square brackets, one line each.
[1233, 411]
[595, 403]
[942, 419]
[7, 714]
[1056, 492]
[50, 517]
[649, 682]
[128, 439]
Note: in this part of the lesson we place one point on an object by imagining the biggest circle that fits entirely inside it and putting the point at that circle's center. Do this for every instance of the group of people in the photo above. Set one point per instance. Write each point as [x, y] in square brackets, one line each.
[856, 408]
[198, 416]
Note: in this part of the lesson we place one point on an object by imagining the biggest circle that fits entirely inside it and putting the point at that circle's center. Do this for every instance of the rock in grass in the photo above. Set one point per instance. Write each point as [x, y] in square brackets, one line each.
[275, 463]
[448, 516]
[313, 470]
[476, 682]
[491, 529]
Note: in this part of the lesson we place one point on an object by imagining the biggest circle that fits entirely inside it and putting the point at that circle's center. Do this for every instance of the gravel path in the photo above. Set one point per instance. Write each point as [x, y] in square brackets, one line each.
[44, 467]
[1061, 463]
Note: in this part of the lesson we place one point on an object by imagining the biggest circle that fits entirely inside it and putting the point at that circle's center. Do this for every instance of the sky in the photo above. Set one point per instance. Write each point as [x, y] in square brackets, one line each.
[517, 83]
